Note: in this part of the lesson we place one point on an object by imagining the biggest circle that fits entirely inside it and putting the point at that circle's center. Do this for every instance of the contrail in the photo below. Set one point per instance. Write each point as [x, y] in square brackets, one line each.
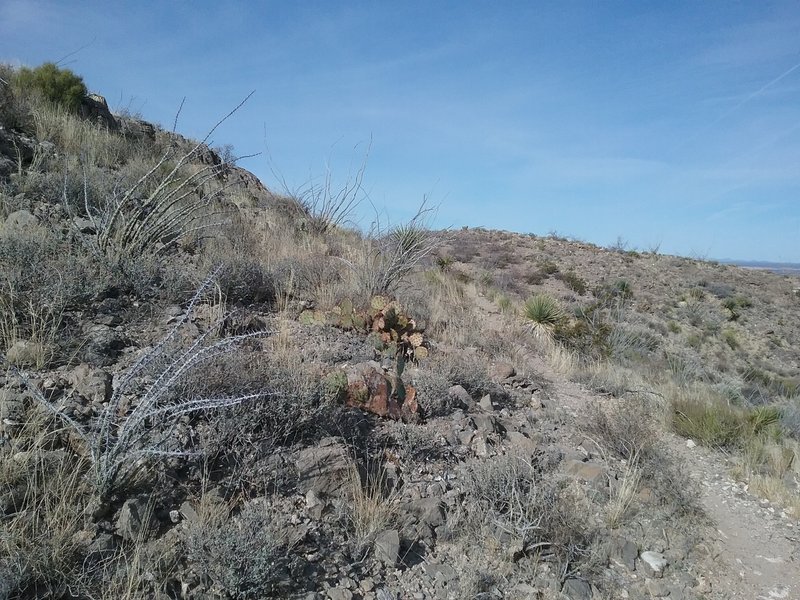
[755, 94]
[739, 105]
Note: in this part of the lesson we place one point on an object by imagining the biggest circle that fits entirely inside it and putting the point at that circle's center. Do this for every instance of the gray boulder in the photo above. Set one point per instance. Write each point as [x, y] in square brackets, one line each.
[136, 520]
[387, 547]
[326, 468]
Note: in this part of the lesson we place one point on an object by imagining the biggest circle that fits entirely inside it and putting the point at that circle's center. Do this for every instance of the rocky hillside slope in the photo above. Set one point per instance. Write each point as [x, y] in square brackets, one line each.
[213, 391]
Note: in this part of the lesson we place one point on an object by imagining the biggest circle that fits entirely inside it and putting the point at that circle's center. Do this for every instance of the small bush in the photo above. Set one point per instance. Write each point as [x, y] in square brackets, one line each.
[43, 276]
[694, 341]
[13, 113]
[59, 86]
[607, 293]
[548, 267]
[734, 306]
[697, 293]
[730, 338]
[711, 421]
[504, 304]
[444, 263]
[623, 289]
[720, 290]
[626, 429]
[246, 556]
[574, 282]
[535, 278]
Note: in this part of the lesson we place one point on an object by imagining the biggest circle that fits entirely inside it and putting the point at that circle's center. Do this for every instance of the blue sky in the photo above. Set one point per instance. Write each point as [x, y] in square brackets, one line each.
[671, 123]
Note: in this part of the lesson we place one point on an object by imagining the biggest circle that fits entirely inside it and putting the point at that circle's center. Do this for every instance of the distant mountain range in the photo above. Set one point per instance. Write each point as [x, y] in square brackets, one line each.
[783, 268]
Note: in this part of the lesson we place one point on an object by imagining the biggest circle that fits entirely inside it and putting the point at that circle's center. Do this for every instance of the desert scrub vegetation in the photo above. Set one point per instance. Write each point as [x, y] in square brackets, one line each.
[325, 205]
[44, 276]
[512, 504]
[390, 253]
[44, 492]
[702, 415]
[123, 441]
[574, 282]
[247, 556]
[435, 376]
[163, 206]
[60, 86]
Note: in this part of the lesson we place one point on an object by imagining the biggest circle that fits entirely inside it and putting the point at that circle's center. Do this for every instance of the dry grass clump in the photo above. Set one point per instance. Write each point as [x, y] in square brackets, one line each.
[43, 494]
[624, 495]
[43, 277]
[610, 379]
[509, 502]
[444, 302]
[701, 414]
[372, 508]
[627, 430]
[75, 136]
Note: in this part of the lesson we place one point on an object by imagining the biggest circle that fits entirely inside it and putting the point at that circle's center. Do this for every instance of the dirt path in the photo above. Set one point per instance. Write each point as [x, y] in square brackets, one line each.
[755, 546]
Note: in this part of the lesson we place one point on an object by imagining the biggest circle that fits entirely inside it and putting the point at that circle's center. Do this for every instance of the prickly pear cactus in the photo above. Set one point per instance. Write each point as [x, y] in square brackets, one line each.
[391, 331]
[397, 331]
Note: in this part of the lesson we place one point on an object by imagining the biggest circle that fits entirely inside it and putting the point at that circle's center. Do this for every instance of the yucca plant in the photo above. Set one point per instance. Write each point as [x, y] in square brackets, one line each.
[544, 313]
[165, 205]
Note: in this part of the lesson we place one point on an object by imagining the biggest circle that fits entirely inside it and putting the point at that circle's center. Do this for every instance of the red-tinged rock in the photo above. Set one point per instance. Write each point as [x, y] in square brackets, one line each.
[370, 389]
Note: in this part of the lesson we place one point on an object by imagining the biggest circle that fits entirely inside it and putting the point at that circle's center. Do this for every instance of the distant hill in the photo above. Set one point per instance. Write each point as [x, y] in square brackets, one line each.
[782, 268]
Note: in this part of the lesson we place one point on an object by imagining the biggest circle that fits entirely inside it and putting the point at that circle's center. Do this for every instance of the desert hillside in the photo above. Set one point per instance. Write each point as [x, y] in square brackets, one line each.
[211, 390]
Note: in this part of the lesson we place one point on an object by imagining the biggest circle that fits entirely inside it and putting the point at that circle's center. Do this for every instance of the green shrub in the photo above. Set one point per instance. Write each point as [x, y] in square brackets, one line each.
[535, 278]
[59, 86]
[694, 341]
[13, 115]
[608, 292]
[548, 267]
[697, 293]
[574, 282]
[734, 305]
[623, 289]
[444, 263]
[709, 423]
[729, 336]
[713, 422]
